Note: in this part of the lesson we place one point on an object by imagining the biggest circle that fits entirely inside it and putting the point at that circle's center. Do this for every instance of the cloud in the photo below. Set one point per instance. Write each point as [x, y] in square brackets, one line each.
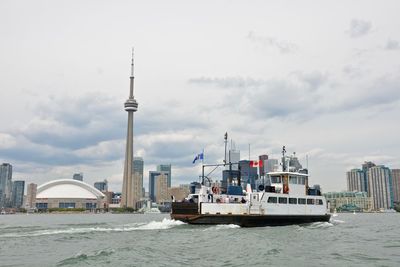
[283, 46]
[359, 28]
[269, 98]
[7, 141]
[303, 96]
[392, 45]
[74, 123]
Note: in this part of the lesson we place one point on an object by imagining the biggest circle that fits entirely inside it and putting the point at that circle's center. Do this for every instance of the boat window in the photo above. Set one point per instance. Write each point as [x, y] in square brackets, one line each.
[302, 201]
[292, 200]
[320, 202]
[276, 179]
[310, 201]
[283, 200]
[272, 200]
[292, 180]
[302, 180]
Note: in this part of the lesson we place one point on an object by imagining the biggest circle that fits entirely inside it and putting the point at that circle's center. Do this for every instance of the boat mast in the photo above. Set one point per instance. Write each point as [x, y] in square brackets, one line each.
[283, 158]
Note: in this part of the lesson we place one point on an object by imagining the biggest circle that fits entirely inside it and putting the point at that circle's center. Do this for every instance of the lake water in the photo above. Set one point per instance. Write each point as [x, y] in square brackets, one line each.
[155, 240]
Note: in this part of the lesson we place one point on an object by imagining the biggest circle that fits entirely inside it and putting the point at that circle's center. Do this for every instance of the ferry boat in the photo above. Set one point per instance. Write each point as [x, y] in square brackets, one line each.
[283, 198]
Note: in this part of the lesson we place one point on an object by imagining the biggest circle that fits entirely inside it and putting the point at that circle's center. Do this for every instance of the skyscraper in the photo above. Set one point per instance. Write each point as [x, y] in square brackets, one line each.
[233, 157]
[272, 165]
[294, 163]
[380, 187]
[153, 183]
[356, 181]
[248, 174]
[31, 196]
[165, 168]
[138, 167]
[5, 184]
[162, 188]
[78, 176]
[101, 186]
[131, 106]
[18, 190]
[396, 185]
[365, 167]
[262, 168]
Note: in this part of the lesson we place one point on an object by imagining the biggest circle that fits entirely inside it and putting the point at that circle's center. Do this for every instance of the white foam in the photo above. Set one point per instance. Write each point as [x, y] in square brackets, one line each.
[164, 224]
[336, 221]
[317, 225]
[153, 225]
[222, 227]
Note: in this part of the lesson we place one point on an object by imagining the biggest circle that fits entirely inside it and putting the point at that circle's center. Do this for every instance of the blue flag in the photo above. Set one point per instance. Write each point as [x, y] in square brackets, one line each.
[198, 156]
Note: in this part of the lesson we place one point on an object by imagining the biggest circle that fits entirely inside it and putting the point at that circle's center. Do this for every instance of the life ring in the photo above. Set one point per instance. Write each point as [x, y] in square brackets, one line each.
[215, 189]
[285, 188]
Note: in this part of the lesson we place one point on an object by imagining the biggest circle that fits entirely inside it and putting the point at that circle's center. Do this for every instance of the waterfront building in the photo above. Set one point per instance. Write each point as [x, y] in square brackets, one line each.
[233, 157]
[128, 198]
[396, 185]
[262, 168]
[248, 174]
[115, 200]
[108, 198]
[272, 165]
[31, 196]
[67, 193]
[161, 187]
[153, 183]
[166, 168]
[356, 180]
[294, 163]
[349, 201]
[137, 188]
[78, 177]
[179, 193]
[365, 167]
[138, 168]
[101, 186]
[18, 189]
[5, 185]
[380, 187]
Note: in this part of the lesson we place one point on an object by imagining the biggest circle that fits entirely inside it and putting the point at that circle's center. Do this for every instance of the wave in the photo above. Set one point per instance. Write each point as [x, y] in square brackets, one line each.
[335, 221]
[222, 227]
[153, 225]
[164, 224]
[85, 257]
[319, 225]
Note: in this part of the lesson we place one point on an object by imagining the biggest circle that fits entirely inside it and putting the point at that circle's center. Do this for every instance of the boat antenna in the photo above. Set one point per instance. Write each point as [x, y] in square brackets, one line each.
[283, 158]
[226, 142]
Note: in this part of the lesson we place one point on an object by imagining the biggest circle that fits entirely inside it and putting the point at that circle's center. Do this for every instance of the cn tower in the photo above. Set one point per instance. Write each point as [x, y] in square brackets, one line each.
[131, 106]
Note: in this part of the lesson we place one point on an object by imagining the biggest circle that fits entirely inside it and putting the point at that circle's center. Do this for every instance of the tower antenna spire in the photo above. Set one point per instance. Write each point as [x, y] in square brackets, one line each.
[133, 54]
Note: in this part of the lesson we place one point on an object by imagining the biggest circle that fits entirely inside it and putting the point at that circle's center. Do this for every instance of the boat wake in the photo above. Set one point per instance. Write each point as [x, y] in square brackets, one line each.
[83, 257]
[222, 227]
[336, 221]
[153, 225]
[164, 224]
[319, 225]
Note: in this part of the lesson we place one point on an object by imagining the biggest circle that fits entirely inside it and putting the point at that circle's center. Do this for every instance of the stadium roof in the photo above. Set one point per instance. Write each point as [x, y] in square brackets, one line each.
[68, 188]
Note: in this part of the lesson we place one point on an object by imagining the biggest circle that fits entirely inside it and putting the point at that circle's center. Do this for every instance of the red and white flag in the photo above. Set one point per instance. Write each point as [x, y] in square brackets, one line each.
[256, 163]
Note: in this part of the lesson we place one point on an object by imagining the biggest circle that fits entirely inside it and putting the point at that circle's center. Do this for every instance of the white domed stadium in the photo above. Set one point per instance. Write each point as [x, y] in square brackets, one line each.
[68, 193]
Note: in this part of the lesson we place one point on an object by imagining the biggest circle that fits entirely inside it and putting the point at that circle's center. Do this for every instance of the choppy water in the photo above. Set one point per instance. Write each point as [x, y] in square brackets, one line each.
[155, 240]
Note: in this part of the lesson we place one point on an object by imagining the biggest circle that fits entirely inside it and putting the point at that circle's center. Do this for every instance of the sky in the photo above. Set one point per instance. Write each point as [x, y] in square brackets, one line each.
[319, 77]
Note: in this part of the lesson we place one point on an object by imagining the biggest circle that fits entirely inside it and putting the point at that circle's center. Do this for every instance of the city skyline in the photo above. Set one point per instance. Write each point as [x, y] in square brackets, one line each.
[327, 87]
